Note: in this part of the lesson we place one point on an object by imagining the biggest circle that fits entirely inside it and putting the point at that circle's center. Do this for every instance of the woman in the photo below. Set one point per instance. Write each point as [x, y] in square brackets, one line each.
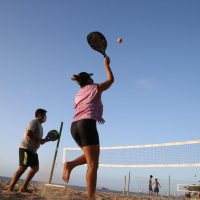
[88, 111]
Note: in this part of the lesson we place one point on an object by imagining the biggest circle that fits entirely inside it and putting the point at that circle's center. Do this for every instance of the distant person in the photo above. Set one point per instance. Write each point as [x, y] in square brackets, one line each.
[187, 195]
[88, 111]
[28, 157]
[150, 185]
[157, 185]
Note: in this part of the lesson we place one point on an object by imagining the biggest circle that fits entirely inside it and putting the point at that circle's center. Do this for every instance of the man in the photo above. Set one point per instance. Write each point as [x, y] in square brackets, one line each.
[28, 157]
[150, 185]
[157, 185]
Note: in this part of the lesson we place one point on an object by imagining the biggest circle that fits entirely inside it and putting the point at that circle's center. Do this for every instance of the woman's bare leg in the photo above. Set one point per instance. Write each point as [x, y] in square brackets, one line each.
[92, 157]
[68, 166]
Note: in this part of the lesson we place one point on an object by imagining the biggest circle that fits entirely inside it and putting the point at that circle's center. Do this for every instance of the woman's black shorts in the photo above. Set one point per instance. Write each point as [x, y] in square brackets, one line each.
[85, 132]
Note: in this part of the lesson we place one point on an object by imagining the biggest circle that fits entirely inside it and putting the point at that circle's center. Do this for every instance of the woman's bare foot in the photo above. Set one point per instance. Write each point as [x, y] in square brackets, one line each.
[67, 168]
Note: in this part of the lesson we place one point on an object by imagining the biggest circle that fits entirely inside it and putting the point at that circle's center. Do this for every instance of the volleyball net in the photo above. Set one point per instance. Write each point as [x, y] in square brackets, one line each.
[174, 154]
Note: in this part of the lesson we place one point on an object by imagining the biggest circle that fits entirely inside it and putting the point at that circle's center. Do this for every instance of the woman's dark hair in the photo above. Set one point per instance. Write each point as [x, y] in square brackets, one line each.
[40, 111]
[82, 78]
[83, 81]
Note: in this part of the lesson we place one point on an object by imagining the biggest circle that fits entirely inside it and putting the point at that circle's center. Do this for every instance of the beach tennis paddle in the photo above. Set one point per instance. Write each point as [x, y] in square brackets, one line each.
[52, 135]
[97, 41]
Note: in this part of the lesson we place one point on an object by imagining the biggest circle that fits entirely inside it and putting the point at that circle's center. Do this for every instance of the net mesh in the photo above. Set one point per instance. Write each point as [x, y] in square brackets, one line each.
[175, 154]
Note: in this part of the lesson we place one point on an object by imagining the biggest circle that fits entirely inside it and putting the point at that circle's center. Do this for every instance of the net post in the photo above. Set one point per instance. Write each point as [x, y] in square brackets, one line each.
[124, 187]
[55, 154]
[63, 156]
[169, 187]
[129, 176]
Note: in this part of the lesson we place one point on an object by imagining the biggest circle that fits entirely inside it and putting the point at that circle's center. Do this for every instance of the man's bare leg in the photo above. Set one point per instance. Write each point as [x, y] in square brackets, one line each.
[15, 178]
[29, 176]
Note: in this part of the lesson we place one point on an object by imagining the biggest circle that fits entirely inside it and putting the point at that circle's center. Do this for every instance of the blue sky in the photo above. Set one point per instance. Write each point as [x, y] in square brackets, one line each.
[155, 97]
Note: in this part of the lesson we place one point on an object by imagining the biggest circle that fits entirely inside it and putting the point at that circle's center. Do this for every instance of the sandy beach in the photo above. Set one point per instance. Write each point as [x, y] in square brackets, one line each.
[41, 192]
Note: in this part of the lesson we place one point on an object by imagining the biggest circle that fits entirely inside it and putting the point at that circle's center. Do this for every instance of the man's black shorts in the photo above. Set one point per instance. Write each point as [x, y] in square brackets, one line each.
[27, 158]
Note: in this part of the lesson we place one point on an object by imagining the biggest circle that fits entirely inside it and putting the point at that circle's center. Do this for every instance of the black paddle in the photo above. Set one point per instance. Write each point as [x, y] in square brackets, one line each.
[52, 135]
[98, 42]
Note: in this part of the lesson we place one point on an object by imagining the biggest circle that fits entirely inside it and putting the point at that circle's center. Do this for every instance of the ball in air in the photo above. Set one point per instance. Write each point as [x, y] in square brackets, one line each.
[119, 40]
